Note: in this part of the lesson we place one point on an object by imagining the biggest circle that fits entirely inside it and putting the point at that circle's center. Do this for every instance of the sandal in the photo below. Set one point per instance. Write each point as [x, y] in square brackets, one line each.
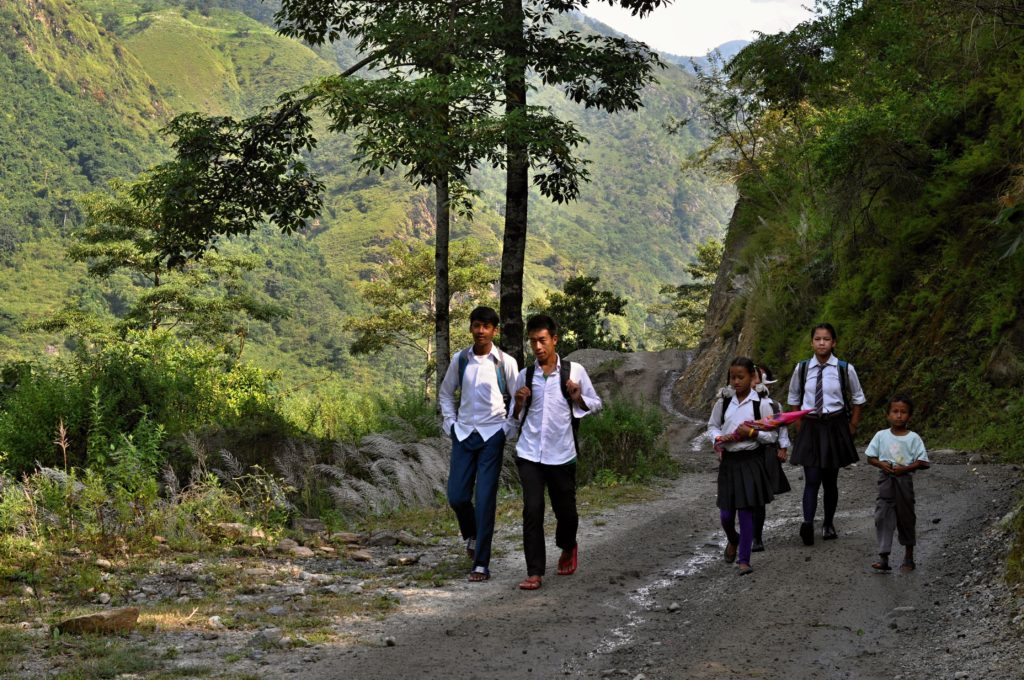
[567, 563]
[530, 583]
[730, 552]
[471, 548]
[745, 569]
[881, 566]
[907, 566]
[479, 573]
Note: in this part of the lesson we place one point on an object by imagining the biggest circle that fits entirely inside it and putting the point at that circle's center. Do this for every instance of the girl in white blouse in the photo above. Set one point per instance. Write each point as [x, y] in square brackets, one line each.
[743, 482]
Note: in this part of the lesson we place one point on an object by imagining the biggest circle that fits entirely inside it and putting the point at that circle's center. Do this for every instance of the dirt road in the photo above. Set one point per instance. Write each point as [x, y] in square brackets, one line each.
[653, 598]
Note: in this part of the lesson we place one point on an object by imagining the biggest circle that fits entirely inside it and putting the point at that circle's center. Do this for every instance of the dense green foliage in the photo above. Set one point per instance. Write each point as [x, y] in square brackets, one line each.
[162, 57]
[583, 315]
[878, 152]
[682, 317]
[623, 443]
[108, 396]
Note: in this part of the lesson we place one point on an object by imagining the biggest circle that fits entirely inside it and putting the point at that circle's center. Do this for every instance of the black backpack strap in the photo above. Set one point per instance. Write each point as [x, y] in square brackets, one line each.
[757, 409]
[725, 405]
[802, 371]
[844, 383]
[574, 421]
[530, 371]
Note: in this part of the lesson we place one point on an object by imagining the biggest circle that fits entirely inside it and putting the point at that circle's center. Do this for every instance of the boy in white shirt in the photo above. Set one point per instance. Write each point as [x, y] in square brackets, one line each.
[551, 395]
[477, 424]
[897, 453]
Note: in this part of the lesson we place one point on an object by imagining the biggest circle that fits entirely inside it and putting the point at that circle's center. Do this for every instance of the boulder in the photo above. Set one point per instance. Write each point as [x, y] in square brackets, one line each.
[110, 621]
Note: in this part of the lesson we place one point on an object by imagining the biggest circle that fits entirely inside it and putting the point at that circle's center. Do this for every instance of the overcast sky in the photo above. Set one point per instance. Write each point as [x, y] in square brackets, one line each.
[692, 27]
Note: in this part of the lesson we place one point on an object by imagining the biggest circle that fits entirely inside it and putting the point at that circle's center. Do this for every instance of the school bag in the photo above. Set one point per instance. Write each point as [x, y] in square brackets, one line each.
[499, 368]
[563, 380]
[844, 381]
[725, 405]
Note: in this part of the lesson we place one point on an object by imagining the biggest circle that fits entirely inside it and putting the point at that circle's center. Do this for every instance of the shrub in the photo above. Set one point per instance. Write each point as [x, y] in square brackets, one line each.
[125, 391]
[622, 443]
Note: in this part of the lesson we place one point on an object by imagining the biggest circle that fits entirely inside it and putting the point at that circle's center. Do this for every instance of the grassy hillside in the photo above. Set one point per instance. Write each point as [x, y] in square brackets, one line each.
[634, 226]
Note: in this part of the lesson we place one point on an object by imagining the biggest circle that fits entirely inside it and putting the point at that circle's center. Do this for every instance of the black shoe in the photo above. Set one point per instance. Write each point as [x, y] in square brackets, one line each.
[807, 533]
[828, 533]
[757, 546]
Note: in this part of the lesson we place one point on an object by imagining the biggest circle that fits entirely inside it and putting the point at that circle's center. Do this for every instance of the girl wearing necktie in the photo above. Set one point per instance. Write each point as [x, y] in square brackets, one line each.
[824, 442]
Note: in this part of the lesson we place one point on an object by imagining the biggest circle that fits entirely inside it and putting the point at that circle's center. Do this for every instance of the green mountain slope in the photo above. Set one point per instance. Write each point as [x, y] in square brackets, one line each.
[634, 226]
[887, 197]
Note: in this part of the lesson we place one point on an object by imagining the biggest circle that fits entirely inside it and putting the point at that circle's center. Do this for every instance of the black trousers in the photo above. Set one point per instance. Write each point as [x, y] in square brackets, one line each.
[560, 482]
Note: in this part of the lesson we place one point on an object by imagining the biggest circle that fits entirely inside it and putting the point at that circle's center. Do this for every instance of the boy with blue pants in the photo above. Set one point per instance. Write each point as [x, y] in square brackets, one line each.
[477, 424]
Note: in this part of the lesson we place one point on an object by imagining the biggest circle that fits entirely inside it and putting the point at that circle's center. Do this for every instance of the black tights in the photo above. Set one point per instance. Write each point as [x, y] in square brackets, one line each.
[814, 478]
[759, 515]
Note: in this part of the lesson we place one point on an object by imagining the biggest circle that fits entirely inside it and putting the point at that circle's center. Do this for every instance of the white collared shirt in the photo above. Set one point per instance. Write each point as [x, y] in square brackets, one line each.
[737, 413]
[481, 405]
[832, 388]
[546, 436]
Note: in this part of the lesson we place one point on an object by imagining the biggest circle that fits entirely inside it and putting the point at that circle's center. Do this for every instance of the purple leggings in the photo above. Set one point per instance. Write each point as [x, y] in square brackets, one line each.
[746, 535]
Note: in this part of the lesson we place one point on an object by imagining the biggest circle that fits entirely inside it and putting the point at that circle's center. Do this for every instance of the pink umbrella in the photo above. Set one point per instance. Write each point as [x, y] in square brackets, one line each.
[771, 422]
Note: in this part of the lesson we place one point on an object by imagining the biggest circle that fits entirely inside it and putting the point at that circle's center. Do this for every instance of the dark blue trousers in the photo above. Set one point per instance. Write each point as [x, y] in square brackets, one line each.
[476, 461]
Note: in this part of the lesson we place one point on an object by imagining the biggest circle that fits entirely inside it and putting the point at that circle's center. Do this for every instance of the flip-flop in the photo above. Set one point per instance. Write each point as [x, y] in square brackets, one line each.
[907, 566]
[730, 552]
[567, 565]
[479, 573]
[530, 583]
[745, 569]
[881, 567]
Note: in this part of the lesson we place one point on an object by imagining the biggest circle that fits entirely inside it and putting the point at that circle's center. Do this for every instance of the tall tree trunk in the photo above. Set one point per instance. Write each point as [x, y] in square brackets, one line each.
[442, 349]
[517, 186]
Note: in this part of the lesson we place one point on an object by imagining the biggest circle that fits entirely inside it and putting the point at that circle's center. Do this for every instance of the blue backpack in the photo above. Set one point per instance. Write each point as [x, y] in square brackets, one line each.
[499, 368]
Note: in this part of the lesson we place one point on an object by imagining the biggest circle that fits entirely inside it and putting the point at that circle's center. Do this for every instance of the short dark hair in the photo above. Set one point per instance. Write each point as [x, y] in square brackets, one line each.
[745, 362]
[484, 315]
[828, 327]
[904, 399]
[541, 322]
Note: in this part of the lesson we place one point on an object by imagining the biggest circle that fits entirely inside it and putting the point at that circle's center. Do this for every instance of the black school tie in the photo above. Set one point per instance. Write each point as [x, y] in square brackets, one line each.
[819, 392]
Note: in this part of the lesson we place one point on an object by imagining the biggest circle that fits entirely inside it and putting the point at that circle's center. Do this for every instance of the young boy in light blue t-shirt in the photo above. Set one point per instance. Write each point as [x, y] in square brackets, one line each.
[897, 453]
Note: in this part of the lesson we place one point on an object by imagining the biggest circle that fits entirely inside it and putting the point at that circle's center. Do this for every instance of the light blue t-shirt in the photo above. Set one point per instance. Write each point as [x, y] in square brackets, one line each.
[902, 450]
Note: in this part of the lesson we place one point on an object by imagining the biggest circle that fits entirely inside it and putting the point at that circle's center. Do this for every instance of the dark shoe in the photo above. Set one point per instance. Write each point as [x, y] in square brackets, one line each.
[807, 532]
[757, 546]
[829, 533]
[730, 552]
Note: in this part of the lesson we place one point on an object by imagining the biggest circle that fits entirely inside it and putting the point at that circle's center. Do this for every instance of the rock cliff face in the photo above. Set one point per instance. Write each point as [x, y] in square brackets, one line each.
[723, 337]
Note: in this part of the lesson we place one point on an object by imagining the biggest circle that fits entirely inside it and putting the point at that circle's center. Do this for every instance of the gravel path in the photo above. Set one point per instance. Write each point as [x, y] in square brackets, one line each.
[653, 598]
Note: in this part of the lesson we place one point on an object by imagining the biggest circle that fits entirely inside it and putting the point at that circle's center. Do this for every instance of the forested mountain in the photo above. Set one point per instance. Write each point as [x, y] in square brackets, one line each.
[879, 151]
[87, 86]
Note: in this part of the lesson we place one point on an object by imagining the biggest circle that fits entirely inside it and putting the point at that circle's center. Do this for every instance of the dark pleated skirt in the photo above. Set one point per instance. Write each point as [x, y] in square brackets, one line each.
[825, 443]
[776, 475]
[743, 481]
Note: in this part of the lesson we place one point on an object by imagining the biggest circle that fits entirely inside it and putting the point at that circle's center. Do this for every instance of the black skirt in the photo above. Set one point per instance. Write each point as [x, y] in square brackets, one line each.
[773, 466]
[825, 442]
[742, 480]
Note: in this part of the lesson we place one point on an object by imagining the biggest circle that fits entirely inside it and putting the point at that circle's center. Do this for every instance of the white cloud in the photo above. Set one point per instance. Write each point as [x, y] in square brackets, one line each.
[692, 27]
